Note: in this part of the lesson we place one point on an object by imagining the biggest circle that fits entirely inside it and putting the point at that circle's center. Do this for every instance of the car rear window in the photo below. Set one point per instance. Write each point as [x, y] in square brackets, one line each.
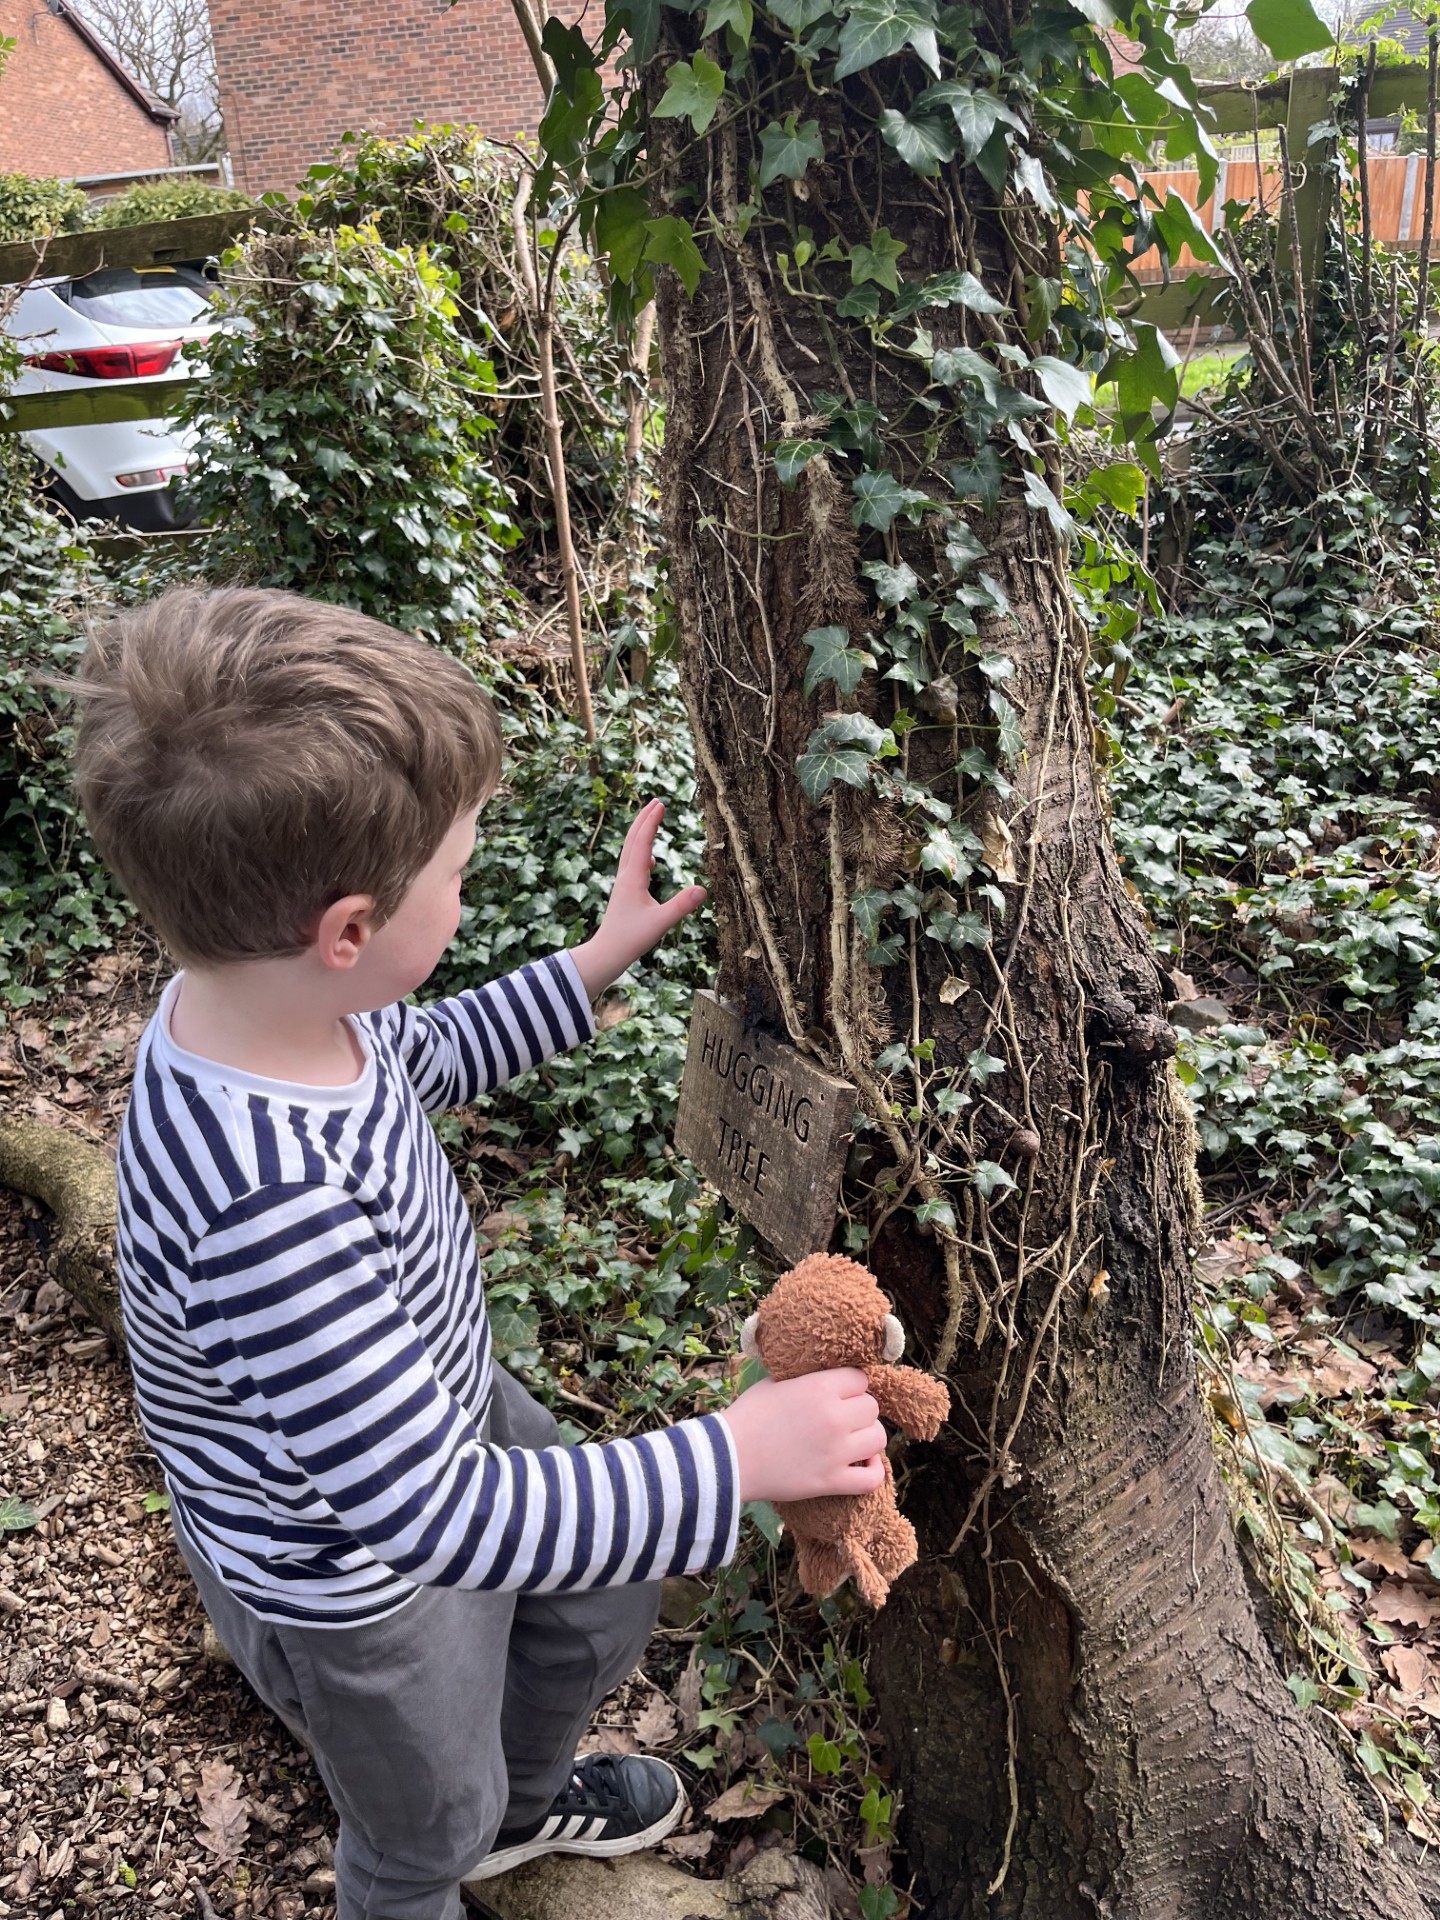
[147, 297]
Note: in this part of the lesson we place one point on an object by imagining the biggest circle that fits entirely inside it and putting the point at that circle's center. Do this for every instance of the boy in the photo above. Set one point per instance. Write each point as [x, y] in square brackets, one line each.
[404, 1563]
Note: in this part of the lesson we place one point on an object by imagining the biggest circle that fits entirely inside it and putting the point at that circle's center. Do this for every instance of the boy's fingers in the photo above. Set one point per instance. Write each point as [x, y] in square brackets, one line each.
[686, 901]
[849, 1381]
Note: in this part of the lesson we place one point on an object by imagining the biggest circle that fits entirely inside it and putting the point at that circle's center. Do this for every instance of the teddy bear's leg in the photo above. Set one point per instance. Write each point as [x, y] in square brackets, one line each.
[820, 1567]
[894, 1546]
[870, 1583]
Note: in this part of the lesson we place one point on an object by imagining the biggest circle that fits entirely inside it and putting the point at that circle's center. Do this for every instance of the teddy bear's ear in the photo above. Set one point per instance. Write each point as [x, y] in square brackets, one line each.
[749, 1345]
[894, 1339]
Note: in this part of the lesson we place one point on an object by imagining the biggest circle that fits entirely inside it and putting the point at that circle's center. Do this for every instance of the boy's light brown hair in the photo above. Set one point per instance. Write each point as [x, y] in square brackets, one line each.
[247, 757]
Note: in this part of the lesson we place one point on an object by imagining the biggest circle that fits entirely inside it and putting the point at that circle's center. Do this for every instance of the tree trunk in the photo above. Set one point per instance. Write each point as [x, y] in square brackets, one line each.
[1082, 1711]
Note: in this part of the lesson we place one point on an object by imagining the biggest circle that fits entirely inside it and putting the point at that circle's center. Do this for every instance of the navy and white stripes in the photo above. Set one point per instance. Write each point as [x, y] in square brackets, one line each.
[303, 1299]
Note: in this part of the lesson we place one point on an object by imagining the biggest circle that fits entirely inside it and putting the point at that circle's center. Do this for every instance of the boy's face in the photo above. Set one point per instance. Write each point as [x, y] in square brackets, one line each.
[402, 954]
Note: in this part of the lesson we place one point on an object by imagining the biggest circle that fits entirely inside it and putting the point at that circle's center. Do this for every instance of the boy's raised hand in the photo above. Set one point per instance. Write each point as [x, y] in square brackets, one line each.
[635, 920]
[799, 1439]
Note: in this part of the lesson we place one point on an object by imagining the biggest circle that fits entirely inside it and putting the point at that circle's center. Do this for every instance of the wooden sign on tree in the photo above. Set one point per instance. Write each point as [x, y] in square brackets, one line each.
[766, 1126]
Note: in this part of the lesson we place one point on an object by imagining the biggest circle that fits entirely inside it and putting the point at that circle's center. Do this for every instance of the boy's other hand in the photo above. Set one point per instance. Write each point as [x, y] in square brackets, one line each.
[799, 1439]
[635, 920]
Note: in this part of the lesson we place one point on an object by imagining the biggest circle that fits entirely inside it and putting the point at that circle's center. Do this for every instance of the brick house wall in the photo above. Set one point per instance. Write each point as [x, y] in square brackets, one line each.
[65, 108]
[294, 78]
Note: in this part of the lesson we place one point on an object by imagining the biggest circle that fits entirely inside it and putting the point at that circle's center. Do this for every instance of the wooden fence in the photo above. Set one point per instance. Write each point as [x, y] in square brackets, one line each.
[69, 255]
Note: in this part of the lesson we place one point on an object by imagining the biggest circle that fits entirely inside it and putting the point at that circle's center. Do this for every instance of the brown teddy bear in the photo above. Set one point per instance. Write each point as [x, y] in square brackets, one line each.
[829, 1312]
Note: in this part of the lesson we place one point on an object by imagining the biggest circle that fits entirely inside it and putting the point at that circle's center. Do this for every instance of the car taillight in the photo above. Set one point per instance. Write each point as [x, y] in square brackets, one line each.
[149, 476]
[110, 363]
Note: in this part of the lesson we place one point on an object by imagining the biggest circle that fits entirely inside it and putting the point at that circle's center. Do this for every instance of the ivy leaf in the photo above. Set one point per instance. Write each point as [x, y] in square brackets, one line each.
[1147, 373]
[798, 14]
[861, 303]
[877, 261]
[948, 851]
[1067, 388]
[737, 15]
[620, 230]
[988, 1178]
[979, 479]
[1098, 12]
[1180, 227]
[564, 129]
[924, 145]
[833, 658]
[892, 584]
[935, 1213]
[786, 151]
[859, 730]
[957, 930]
[868, 907]
[820, 767]
[983, 1066]
[692, 92]
[16, 1515]
[874, 30]
[964, 363]
[879, 497]
[976, 115]
[1288, 28]
[1039, 496]
[962, 545]
[569, 52]
[793, 456]
[841, 750]
[513, 1326]
[672, 244]
[1121, 484]
[1011, 742]
[1031, 175]
[948, 290]
[639, 21]
[992, 162]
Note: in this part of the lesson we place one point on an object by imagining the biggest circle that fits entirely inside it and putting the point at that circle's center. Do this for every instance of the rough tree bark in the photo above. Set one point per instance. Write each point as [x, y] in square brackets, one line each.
[1083, 1713]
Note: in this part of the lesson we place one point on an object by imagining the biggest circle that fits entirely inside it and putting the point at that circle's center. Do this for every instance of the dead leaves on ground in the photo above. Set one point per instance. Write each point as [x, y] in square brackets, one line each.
[224, 1818]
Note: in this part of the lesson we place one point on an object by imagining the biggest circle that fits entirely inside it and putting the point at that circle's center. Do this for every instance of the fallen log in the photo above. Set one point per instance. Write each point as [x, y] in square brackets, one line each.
[642, 1886]
[76, 1182]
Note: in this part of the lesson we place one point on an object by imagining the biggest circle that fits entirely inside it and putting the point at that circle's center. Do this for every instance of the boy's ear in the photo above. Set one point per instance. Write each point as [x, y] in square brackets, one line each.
[343, 931]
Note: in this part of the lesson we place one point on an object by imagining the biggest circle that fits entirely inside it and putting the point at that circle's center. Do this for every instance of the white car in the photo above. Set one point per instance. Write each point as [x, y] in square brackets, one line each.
[122, 324]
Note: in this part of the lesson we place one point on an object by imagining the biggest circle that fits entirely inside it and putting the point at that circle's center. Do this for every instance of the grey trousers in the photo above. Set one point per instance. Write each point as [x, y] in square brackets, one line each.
[434, 1726]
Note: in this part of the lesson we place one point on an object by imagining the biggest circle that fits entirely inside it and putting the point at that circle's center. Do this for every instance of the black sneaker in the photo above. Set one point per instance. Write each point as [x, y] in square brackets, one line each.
[611, 1804]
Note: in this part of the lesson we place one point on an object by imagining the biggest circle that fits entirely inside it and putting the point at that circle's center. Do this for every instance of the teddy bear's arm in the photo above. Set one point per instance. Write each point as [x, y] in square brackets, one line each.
[910, 1399]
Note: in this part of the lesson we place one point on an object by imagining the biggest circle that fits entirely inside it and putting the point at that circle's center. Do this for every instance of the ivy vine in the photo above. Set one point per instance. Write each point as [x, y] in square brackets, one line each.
[1039, 129]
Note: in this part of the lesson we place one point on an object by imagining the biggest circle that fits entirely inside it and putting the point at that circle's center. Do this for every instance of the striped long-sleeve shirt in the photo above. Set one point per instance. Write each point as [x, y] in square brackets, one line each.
[302, 1293]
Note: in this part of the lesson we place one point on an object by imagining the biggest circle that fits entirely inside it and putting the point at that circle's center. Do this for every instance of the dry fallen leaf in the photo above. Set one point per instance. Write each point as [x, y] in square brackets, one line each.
[744, 1801]
[656, 1725]
[223, 1816]
[1404, 1606]
[999, 846]
[496, 1225]
[1385, 1553]
[1408, 1667]
[610, 1740]
[687, 1698]
[690, 1846]
[1339, 1378]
